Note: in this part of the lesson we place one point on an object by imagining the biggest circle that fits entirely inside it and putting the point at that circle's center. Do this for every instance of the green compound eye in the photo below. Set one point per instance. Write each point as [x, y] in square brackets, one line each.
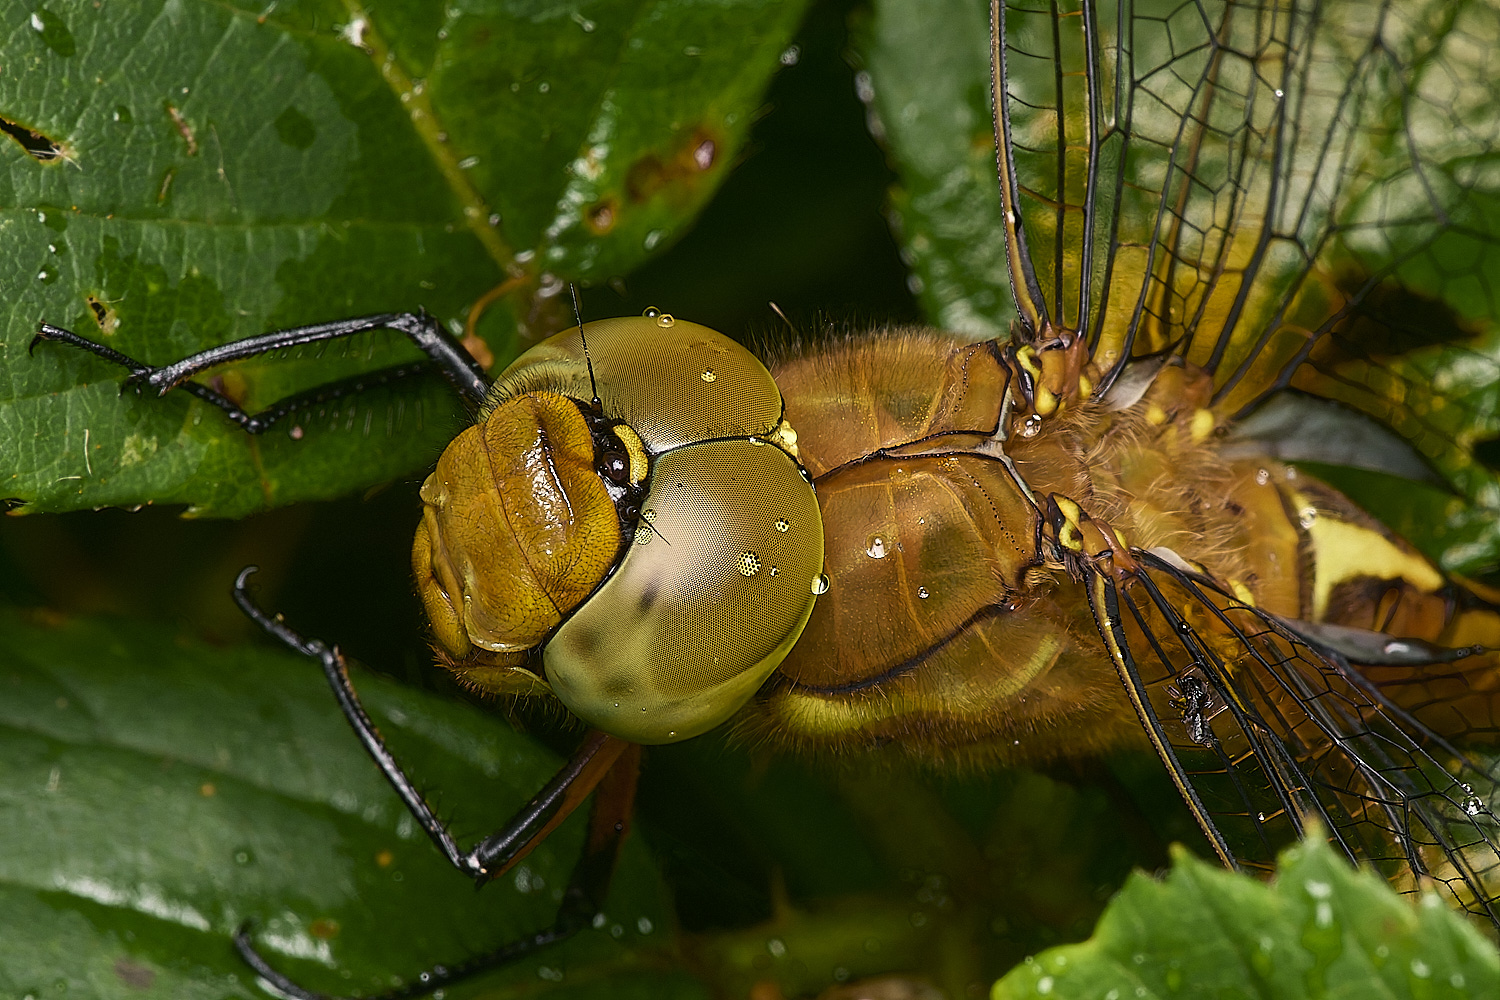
[675, 383]
[707, 602]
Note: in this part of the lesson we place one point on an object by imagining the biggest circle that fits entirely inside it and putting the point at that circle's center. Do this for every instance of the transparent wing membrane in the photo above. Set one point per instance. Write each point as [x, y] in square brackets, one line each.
[1264, 731]
[1287, 194]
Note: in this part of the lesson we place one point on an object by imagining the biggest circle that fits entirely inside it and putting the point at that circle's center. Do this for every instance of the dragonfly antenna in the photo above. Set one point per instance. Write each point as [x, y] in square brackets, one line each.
[789, 325]
[578, 315]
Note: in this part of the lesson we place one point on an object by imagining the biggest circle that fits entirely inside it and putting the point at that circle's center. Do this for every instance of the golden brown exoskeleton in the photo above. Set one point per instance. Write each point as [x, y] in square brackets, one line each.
[1001, 566]
[1055, 543]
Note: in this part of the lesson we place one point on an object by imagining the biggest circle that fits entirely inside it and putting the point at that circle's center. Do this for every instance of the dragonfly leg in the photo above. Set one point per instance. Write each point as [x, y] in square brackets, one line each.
[601, 761]
[262, 420]
[443, 352]
[1079, 540]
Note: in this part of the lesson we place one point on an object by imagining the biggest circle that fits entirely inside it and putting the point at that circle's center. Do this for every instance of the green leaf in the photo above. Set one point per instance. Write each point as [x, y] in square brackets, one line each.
[927, 84]
[1320, 930]
[221, 171]
[157, 792]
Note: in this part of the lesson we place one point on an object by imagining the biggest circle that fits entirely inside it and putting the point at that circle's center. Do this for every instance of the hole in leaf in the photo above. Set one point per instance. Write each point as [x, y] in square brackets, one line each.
[35, 143]
[1488, 452]
[103, 315]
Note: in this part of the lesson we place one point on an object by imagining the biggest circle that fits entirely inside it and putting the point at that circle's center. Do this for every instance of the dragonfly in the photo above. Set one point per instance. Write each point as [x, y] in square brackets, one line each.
[1046, 544]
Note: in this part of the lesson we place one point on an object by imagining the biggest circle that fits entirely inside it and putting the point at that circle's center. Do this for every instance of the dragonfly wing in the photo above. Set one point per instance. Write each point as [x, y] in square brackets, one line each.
[1284, 193]
[1148, 168]
[1264, 731]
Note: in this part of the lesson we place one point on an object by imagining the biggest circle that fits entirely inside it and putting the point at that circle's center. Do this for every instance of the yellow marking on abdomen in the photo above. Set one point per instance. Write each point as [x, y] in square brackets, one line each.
[1344, 551]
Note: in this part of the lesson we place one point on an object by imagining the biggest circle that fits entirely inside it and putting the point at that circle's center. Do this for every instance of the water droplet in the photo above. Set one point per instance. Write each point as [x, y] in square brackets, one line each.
[1473, 806]
[704, 154]
[708, 373]
[54, 32]
[651, 312]
[543, 87]
[922, 593]
[775, 571]
[1262, 477]
[1032, 427]
[782, 524]
[776, 947]
[1318, 889]
[1280, 93]
[1307, 516]
[748, 563]
[876, 547]
[820, 584]
[666, 320]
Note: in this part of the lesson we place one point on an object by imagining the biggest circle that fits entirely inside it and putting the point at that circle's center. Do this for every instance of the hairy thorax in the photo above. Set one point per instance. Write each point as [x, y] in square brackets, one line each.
[947, 628]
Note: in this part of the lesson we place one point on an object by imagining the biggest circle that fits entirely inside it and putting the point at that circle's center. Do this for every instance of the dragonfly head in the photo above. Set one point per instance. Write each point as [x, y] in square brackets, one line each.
[641, 534]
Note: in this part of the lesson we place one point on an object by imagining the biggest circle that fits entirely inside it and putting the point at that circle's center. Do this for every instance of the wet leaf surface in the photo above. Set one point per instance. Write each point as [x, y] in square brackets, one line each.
[1321, 929]
[222, 171]
[159, 792]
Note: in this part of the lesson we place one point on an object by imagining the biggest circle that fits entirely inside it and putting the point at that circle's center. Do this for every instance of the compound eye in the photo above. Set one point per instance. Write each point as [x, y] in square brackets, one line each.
[711, 595]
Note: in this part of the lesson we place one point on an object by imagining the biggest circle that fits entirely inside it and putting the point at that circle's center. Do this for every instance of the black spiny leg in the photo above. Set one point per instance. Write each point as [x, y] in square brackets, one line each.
[603, 761]
[443, 352]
